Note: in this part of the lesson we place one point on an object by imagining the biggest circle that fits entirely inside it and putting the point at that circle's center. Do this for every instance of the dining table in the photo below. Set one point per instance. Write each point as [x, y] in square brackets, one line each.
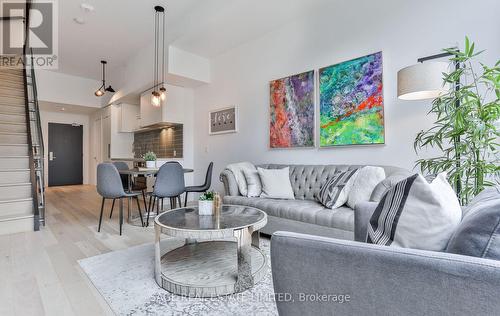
[135, 172]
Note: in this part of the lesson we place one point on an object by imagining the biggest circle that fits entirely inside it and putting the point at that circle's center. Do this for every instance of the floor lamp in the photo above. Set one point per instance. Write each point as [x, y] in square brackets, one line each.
[424, 81]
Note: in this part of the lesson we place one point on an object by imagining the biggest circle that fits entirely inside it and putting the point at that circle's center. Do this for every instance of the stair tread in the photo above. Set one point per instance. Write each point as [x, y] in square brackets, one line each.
[12, 123]
[10, 88]
[6, 218]
[16, 97]
[13, 144]
[15, 170]
[13, 105]
[12, 76]
[13, 113]
[15, 200]
[14, 133]
[15, 184]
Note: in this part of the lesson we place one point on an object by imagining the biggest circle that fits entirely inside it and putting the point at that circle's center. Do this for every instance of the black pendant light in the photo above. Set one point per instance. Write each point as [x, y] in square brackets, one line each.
[102, 89]
[159, 91]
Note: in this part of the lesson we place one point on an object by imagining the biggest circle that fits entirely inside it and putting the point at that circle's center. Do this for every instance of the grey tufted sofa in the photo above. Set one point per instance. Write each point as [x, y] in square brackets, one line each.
[304, 214]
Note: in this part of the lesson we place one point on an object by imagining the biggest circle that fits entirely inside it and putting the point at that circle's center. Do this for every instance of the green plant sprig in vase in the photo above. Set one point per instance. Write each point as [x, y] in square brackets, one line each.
[150, 158]
[206, 204]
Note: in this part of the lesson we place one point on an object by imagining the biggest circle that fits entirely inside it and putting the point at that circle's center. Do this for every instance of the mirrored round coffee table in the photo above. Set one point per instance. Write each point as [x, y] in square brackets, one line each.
[208, 256]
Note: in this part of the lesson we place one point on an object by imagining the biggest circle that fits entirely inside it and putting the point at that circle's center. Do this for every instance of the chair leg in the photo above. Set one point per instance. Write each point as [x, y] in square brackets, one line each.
[139, 209]
[150, 207]
[185, 199]
[121, 215]
[112, 207]
[162, 205]
[158, 206]
[100, 216]
[144, 199]
[179, 200]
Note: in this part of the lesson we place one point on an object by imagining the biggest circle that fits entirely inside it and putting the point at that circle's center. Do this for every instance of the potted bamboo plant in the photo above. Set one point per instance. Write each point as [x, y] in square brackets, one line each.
[466, 126]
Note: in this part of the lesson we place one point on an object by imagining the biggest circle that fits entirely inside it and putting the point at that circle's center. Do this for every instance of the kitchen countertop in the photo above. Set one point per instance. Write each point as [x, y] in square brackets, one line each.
[128, 159]
[142, 159]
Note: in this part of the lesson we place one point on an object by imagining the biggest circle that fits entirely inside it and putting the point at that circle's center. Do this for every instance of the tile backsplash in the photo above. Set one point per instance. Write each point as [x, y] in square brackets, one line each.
[164, 142]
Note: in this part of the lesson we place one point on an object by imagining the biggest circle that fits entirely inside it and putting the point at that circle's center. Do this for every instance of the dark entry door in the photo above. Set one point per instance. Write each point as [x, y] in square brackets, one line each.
[65, 154]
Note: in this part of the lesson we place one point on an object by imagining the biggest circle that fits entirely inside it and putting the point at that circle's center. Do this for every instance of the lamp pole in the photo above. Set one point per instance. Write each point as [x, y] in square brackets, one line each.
[456, 139]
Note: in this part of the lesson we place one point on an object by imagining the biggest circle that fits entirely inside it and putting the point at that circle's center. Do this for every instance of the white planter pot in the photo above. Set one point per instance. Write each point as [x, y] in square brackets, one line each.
[151, 164]
[205, 208]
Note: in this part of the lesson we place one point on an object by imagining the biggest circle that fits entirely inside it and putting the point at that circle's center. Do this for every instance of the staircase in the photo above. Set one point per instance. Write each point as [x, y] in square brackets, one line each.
[22, 198]
[16, 201]
[21, 153]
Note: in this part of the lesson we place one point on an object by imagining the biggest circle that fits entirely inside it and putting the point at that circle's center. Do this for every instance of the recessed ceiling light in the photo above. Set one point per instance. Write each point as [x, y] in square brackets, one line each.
[87, 7]
[63, 109]
[79, 20]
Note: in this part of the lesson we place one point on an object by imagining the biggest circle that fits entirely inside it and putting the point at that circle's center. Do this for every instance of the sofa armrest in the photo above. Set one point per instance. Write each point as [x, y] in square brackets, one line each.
[362, 214]
[367, 279]
[230, 186]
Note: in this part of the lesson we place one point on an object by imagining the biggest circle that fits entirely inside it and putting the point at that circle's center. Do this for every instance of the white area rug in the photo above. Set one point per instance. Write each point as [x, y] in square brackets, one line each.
[125, 279]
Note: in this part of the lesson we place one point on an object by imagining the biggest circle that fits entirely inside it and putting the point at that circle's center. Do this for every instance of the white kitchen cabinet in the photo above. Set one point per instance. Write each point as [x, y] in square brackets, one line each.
[172, 110]
[128, 118]
[150, 114]
[106, 134]
[114, 144]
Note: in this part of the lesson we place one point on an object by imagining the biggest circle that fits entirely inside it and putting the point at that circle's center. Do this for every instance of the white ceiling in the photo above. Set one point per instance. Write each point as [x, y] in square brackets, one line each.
[117, 29]
[67, 108]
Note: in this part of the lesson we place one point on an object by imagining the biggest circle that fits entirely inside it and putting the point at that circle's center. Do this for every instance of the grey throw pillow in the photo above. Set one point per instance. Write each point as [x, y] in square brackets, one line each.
[478, 235]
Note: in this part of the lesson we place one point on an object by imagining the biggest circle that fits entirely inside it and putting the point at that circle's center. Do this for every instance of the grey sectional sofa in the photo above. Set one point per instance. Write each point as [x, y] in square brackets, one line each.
[367, 279]
[305, 214]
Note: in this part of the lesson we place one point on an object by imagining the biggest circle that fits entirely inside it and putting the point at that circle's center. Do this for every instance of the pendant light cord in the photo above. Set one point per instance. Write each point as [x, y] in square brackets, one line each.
[104, 75]
[155, 53]
[163, 53]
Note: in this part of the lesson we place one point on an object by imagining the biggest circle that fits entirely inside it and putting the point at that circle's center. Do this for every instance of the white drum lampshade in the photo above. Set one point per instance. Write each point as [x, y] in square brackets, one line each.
[422, 81]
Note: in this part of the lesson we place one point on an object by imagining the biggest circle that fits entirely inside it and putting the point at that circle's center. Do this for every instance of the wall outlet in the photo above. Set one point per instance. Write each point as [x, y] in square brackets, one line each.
[175, 153]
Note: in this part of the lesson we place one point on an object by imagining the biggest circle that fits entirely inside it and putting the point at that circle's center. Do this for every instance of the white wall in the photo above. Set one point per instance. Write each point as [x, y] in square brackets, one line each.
[67, 118]
[67, 89]
[342, 30]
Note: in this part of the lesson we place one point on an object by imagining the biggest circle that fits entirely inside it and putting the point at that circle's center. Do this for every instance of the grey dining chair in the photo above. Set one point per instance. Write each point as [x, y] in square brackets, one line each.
[109, 186]
[169, 184]
[201, 188]
[137, 184]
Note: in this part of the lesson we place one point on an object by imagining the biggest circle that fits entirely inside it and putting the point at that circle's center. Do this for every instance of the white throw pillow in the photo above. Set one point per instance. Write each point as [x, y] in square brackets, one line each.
[333, 194]
[416, 214]
[367, 179]
[254, 186]
[237, 170]
[276, 183]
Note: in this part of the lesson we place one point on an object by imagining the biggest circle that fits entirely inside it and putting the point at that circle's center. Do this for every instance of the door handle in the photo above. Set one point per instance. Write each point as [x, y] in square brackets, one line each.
[52, 156]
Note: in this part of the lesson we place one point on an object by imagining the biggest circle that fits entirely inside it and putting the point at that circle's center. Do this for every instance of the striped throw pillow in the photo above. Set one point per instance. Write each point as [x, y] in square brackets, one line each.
[416, 214]
[335, 192]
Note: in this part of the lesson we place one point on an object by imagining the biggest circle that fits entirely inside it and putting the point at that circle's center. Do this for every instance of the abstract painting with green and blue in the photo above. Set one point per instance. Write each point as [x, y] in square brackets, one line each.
[352, 102]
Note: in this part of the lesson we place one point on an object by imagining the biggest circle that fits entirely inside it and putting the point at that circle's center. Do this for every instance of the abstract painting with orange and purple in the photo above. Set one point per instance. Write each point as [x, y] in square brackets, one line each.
[292, 111]
[352, 102]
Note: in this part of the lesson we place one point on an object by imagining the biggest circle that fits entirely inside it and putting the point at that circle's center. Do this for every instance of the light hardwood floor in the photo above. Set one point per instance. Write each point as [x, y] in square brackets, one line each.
[39, 272]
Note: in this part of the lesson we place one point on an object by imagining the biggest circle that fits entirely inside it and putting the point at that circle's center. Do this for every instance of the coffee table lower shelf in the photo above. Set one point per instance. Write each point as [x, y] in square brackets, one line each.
[206, 269]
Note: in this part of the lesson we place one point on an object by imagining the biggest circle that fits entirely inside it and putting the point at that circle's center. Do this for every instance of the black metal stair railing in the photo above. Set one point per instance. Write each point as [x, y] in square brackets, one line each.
[34, 129]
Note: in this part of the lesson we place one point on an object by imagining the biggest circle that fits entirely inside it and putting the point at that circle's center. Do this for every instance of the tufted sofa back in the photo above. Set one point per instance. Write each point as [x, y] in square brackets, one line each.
[307, 179]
